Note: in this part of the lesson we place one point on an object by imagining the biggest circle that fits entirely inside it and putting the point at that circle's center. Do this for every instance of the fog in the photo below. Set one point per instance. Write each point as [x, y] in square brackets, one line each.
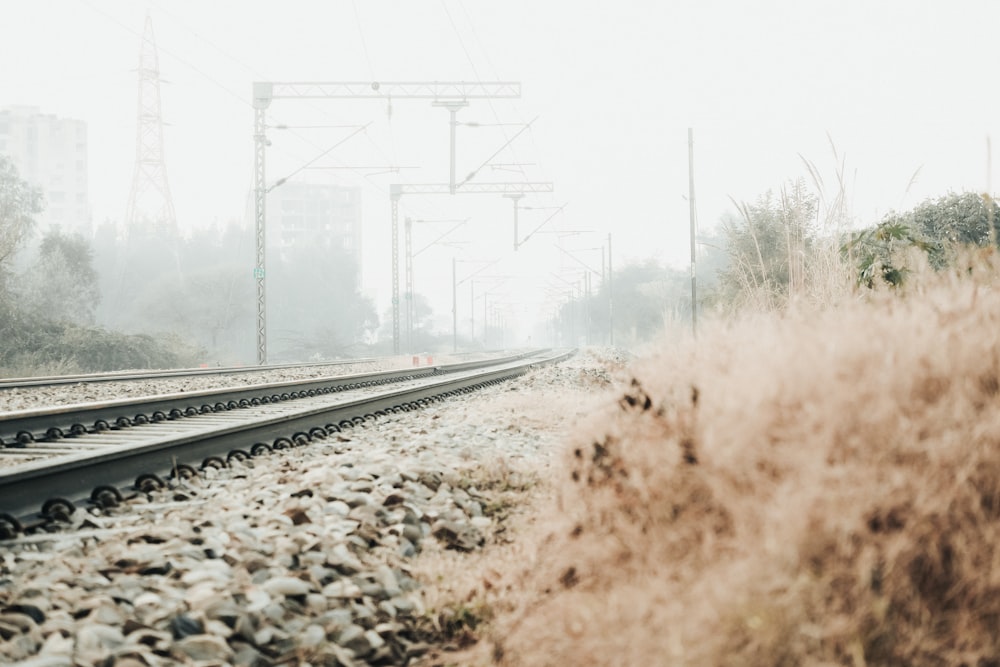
[874, 106]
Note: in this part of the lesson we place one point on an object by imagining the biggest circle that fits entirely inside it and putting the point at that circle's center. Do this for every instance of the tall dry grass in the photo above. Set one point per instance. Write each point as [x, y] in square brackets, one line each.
[807, 266]
[818, 487]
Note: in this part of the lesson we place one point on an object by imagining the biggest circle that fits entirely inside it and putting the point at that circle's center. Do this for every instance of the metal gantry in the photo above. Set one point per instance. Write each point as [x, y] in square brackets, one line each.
[428, 90]
[451, 94]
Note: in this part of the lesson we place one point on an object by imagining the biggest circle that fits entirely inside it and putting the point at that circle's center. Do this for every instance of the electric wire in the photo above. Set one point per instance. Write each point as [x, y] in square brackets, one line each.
[280, 181]
[184, 61]
[175, 56]
[498, 151]
[366, 178]
[475, 70]
[489, 62]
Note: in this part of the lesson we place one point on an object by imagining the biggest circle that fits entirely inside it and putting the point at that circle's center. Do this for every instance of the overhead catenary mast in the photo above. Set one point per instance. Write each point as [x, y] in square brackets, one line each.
[694, 231]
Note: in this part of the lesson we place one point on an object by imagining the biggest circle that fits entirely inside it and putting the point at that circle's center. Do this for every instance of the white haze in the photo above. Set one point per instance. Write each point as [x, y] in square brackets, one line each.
[895, 87]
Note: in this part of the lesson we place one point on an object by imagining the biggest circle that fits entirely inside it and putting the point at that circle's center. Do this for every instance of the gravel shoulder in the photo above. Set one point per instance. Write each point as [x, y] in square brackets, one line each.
[338, 553]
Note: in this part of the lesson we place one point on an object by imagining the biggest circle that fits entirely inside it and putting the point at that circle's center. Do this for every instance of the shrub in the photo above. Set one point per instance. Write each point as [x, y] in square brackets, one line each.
[806, 489]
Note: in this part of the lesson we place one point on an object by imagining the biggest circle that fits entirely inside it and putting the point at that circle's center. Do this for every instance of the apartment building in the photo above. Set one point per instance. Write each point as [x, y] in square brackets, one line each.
[51, 154]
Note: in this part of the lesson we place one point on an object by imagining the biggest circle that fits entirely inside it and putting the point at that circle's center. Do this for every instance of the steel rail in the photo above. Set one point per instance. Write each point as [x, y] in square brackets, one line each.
[124, 376]
[22, 427]
[135, 460]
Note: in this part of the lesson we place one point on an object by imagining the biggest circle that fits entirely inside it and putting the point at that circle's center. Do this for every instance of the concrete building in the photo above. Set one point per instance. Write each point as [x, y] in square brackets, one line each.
[314, 215]
[51, 154]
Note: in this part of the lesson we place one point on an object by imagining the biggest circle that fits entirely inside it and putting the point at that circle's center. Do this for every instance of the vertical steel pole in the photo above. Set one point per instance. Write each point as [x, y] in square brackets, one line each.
[408, 269]
[604, 278]
[395, 191]
[694, 231]
[611, 298]
[454, 308]
[261, 100]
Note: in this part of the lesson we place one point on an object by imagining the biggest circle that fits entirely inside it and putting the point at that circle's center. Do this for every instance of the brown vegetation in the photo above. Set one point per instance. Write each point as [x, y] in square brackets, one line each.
[813, 488]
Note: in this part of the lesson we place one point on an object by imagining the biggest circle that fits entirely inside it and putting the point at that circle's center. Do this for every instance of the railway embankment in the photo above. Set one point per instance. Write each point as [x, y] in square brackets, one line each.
[333, 553]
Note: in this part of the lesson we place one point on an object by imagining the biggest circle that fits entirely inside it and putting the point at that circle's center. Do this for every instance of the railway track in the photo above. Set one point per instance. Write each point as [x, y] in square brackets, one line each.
[124, 376]
[98, 454]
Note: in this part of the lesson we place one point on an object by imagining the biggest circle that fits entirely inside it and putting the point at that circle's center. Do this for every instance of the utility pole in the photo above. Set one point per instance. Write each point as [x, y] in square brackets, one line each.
[604, 281]
[694, 232]
[409, 285]
[611, 298]
[454, 308]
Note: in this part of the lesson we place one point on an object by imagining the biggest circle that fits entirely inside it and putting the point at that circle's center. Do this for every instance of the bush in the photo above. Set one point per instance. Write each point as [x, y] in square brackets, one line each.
[44, 348]
[806, 489]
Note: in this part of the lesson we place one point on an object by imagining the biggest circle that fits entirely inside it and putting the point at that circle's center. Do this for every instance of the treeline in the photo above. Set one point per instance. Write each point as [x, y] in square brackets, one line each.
[782, 248]
[69, 304]
[155, 300]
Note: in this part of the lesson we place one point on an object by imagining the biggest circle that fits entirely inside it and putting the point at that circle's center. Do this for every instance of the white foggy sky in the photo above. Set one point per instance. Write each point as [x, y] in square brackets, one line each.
[897, 85]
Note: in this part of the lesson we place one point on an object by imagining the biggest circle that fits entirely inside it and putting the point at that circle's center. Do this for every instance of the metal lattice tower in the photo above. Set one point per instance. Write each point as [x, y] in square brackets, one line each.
[150, 210]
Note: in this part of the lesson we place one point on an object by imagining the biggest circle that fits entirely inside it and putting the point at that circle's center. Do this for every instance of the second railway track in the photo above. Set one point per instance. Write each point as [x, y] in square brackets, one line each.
[98, 453]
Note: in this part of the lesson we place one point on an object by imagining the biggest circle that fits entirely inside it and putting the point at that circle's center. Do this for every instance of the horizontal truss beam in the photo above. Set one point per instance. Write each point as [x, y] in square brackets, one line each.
[430, 90]
[399, 189]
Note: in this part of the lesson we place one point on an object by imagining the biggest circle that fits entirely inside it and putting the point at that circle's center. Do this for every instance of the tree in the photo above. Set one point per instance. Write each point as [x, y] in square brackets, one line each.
[19, 203]
[881, 254]
[933, 229]
[315, 306]
[769, 247]
[646, 296]
[61, 283]
[207, 298]
[955, 220]
[421, 337]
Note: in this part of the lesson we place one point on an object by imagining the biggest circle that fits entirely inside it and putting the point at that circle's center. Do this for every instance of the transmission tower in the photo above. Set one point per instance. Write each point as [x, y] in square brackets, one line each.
[150, 210]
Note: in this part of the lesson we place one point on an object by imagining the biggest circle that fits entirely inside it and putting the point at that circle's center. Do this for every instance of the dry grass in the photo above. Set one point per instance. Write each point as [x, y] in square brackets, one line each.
[813, 488]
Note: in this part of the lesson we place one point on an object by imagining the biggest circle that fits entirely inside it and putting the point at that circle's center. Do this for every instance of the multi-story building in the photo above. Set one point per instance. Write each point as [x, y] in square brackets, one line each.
[51, 154]
[301, 215]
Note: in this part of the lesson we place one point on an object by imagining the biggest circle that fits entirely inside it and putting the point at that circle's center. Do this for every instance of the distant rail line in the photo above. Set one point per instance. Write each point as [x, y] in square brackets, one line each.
[99, 453]
[120, 376]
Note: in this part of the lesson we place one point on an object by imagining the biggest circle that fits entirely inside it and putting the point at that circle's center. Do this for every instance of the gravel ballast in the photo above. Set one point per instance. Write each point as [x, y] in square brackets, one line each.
[301, 557]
